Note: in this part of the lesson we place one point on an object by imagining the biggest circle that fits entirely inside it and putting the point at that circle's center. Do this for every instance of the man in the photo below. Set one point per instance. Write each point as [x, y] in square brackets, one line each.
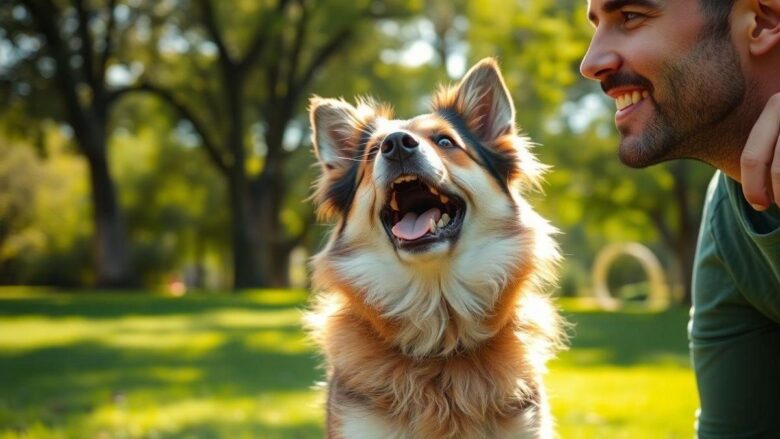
[700, 79]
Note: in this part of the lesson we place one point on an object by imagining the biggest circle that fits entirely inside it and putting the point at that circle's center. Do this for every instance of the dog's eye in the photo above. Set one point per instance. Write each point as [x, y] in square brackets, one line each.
[445, 142]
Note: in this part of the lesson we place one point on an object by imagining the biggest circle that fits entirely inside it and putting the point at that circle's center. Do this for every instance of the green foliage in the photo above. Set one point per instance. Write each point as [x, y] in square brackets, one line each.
[175, 201]
[214, 365]
[44, 237]
[539, 44]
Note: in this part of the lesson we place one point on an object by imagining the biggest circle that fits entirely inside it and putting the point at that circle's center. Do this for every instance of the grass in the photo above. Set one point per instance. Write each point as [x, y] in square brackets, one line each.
[109, 365]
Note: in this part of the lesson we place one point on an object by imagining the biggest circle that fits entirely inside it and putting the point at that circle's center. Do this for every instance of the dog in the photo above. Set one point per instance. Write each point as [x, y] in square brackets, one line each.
[430, 306]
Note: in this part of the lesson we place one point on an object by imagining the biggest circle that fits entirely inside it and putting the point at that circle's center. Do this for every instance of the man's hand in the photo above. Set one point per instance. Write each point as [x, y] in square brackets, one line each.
[760, 163]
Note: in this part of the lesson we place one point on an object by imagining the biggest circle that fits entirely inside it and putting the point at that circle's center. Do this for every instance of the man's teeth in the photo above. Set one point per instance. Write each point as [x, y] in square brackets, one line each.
[630, 98]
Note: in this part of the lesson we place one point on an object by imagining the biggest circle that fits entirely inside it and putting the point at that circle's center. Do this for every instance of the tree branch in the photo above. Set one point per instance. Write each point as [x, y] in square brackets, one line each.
[107, 41]
[297, 47]
[45, 14]
[211, 26]
[260, 41]
[319, 59]
[86, 48]
[184, 112]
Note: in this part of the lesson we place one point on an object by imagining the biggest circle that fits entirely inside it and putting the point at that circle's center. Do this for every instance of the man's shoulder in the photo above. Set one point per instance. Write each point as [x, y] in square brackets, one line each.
[716, 208]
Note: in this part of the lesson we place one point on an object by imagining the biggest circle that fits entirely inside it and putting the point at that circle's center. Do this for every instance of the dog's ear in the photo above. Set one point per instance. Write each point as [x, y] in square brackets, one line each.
[483, 101]
[335, 132]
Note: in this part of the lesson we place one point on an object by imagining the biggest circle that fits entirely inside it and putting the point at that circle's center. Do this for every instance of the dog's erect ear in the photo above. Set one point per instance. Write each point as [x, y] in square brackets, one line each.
[484, 102]
[335, 132]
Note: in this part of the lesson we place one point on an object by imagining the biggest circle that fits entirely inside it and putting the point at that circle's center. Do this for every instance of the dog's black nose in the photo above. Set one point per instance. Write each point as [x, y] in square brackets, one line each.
[399, 145]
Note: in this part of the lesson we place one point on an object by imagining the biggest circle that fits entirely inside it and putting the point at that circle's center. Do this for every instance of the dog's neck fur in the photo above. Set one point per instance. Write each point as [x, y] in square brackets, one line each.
[462, 393]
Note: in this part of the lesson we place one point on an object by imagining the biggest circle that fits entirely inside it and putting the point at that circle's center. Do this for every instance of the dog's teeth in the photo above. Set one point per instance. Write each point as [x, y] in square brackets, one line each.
[444, 199]
[445, 219]
[394, 203]
[432, 226]
[412, 177]
[440, 224]
[433, 191]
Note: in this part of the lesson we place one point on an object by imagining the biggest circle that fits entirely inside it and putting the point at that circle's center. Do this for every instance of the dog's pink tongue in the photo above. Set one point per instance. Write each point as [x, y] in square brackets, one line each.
[412, 226]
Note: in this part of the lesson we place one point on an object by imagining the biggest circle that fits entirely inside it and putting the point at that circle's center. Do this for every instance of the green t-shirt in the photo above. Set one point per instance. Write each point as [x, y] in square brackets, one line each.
[735, 319]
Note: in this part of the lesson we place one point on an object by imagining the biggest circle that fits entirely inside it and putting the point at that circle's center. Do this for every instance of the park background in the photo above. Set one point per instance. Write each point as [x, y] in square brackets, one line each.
[155, 164]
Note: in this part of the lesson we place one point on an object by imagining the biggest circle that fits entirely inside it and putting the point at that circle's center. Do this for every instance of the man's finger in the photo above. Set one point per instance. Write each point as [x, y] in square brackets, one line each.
[775, 172]
[758, 155]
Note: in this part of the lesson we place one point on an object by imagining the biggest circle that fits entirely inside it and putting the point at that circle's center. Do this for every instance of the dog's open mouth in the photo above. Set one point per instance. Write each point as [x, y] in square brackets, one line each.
[418, 214]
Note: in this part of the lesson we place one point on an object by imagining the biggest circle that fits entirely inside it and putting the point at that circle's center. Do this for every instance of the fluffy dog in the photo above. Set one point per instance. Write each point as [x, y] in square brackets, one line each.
[430, 310]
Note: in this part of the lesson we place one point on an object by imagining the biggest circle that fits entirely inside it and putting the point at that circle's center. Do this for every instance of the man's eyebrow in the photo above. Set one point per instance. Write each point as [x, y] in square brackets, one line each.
[614, 5]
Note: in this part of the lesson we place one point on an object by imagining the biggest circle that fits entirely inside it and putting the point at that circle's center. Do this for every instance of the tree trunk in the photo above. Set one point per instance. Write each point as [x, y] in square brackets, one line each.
[688, 227]
[267, 200]
[245, 269]
[268, 194]
[111, 249]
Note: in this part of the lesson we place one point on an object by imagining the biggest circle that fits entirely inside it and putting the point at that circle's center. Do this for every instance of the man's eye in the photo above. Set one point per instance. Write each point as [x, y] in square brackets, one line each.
[631, 16]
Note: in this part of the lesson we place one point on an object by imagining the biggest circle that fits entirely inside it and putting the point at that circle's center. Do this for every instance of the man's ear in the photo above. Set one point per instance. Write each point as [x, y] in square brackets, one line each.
[335, 132]
[484, 102]
[765, 29]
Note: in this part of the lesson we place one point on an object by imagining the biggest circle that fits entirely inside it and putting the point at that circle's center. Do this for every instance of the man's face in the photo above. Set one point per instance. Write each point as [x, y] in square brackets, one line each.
[676, 83]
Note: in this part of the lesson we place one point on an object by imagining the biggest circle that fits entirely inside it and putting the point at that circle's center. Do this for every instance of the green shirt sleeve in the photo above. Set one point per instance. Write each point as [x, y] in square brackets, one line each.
[760, 272]
[735, 320]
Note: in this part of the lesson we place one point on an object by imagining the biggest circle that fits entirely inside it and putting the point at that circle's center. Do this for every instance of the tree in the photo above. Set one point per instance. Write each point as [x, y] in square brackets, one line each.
[59, 48]
[262, 75]
[20, 174]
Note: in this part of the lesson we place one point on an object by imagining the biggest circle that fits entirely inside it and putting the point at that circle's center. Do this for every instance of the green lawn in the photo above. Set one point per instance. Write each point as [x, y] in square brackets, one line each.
[219, 366]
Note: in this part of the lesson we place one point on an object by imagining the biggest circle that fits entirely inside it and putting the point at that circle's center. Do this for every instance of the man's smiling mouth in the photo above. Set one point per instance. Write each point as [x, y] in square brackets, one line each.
[630, 98]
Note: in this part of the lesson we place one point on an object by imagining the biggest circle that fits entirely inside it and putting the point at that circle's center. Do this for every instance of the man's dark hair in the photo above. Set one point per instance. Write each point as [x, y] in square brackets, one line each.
[718, 12]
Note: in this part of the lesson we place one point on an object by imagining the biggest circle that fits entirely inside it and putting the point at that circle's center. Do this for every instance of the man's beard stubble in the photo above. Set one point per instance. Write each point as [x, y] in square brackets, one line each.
[696, 116]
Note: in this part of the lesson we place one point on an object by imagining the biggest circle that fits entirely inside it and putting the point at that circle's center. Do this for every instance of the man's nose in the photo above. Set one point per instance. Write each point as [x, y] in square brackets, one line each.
[600, 60]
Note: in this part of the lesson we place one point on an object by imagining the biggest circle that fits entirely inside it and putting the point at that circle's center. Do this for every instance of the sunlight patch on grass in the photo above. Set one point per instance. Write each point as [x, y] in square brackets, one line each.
[277, 297]
[165, 332]
[187, 343]
[289, 408]
[179, 375]
[636, 402]
[238, 318]
[37, 332]
[239, 366]
[142, 418]
[279, 341]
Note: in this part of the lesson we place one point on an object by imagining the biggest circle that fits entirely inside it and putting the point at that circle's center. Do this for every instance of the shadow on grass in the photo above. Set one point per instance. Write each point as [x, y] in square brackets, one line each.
[65, 383]
[215, 359]
[629, 338]
[72, 381]
[109, 305]
[233, 367]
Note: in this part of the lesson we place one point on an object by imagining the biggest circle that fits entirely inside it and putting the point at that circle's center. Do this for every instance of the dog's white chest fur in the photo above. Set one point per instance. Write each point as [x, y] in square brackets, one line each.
[359, 423]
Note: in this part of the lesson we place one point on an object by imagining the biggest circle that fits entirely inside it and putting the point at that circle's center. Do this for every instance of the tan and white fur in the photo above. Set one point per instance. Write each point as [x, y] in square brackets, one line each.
[437, 331]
